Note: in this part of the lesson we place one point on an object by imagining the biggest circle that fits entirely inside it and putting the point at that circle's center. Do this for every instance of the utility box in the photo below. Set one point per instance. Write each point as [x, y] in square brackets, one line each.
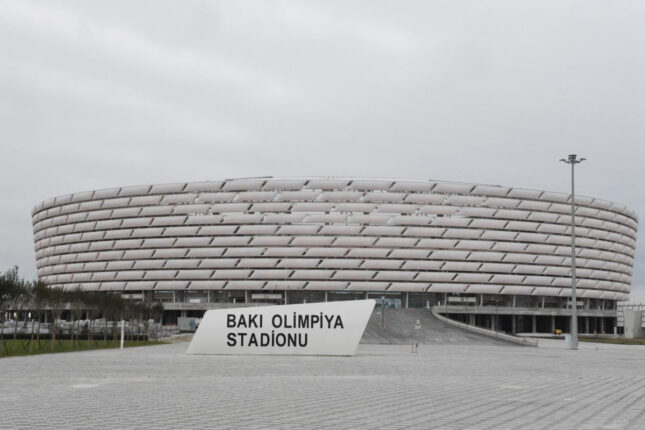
[633, 320]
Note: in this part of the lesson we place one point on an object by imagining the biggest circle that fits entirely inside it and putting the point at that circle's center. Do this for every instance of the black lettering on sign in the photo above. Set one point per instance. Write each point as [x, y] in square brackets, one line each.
[253, 321]
[276, 321]
[328, 320]
[286, 321]
[231, 339]
[253, 341]
[280, 339]
[274, 339]
[230, 320]
[244, 321]
[303, 321]
[339, 322]
[241, 322]
[294, 320]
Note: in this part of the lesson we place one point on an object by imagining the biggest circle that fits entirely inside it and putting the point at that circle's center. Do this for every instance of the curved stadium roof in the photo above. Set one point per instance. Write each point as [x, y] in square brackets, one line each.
[334, 234]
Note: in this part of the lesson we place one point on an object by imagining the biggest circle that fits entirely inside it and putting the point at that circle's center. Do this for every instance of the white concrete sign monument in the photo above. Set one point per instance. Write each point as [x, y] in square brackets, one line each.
[330, 328]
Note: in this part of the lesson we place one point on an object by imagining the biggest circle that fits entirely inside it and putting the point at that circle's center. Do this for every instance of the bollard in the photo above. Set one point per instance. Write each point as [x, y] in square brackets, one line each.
[417, 329]
[122, 331]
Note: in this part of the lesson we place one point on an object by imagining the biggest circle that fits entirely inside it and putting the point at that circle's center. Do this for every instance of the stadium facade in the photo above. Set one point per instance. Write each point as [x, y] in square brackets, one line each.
[489, 255]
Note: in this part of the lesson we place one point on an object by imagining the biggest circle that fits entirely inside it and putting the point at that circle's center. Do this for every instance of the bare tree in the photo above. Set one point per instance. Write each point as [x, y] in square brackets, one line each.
[77, 307]
[21, 299]
[106, 305]
[92, 307]
[56, 302]
[8, 291]
[118, 313]
[157, 313]
[41, 294]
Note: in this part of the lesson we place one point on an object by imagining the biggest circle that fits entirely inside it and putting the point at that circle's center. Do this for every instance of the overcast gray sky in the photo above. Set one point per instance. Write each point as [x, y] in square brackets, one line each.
[100, 94]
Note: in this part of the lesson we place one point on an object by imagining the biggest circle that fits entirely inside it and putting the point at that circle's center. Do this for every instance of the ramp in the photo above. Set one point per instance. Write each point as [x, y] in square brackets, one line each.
[400, 330]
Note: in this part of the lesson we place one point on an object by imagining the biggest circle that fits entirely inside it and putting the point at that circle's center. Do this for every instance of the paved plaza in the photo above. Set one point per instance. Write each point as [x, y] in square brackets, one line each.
[383, 386]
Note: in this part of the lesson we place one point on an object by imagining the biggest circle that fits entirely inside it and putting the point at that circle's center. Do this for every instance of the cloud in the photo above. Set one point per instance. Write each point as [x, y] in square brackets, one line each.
[101, 94]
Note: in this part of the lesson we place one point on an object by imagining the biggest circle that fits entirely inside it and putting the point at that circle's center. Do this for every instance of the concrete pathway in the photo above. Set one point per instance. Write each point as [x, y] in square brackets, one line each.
[383, 386]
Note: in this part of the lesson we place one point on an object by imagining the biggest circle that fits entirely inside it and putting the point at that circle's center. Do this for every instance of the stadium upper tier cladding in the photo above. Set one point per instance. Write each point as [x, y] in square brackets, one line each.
[334, 234]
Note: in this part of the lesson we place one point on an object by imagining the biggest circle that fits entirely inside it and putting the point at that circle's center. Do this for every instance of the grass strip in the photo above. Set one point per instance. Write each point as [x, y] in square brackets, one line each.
[22, 347]
[614, 340]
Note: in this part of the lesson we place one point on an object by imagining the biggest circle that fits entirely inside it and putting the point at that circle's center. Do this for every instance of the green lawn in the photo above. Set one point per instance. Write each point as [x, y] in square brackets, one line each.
[615, 340]
[21, 346]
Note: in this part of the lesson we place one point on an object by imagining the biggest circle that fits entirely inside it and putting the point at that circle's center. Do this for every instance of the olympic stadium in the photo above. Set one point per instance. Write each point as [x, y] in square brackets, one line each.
[491, 256]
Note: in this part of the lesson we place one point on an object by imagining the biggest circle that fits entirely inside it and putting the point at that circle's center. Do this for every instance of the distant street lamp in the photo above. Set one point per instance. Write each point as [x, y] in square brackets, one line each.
[573, 160]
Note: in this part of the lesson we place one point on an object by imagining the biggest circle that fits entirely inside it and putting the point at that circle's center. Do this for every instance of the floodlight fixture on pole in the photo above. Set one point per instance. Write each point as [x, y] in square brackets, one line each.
[573, 159]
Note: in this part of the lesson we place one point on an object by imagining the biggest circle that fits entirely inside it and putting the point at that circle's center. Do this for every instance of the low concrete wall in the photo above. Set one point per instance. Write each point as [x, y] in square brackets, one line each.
[485, 332]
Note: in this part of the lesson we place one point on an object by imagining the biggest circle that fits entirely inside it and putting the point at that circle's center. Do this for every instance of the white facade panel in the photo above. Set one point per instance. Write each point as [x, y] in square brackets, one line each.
[484, 289]
[408, 253]
[370, 184]
[412, 186]
[335, 234]
[425, 199]
[447, 288]
[517, 290]
[207, 186]
[284, 184]
[382, 264]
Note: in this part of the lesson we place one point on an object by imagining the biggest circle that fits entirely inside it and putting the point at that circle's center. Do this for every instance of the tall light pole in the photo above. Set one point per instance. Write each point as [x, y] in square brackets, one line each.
[573, 159]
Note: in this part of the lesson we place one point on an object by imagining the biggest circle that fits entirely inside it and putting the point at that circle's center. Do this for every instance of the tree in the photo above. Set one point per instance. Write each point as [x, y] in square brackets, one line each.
[15, 295]
[56, 303]
[76, 300]
[92, 303]
[8, 291]
[157, 312]
[106, 304]
[118, 313]
[22, 294]
[41, 296]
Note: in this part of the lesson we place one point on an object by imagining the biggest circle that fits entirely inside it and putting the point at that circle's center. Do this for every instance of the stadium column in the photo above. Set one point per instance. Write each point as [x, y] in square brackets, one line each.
[586, 325]
[534, 324]
[513, 321]
[552, 323]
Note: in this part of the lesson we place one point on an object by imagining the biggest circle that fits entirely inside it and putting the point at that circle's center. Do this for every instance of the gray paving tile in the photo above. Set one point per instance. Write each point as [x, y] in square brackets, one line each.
[382, 387]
